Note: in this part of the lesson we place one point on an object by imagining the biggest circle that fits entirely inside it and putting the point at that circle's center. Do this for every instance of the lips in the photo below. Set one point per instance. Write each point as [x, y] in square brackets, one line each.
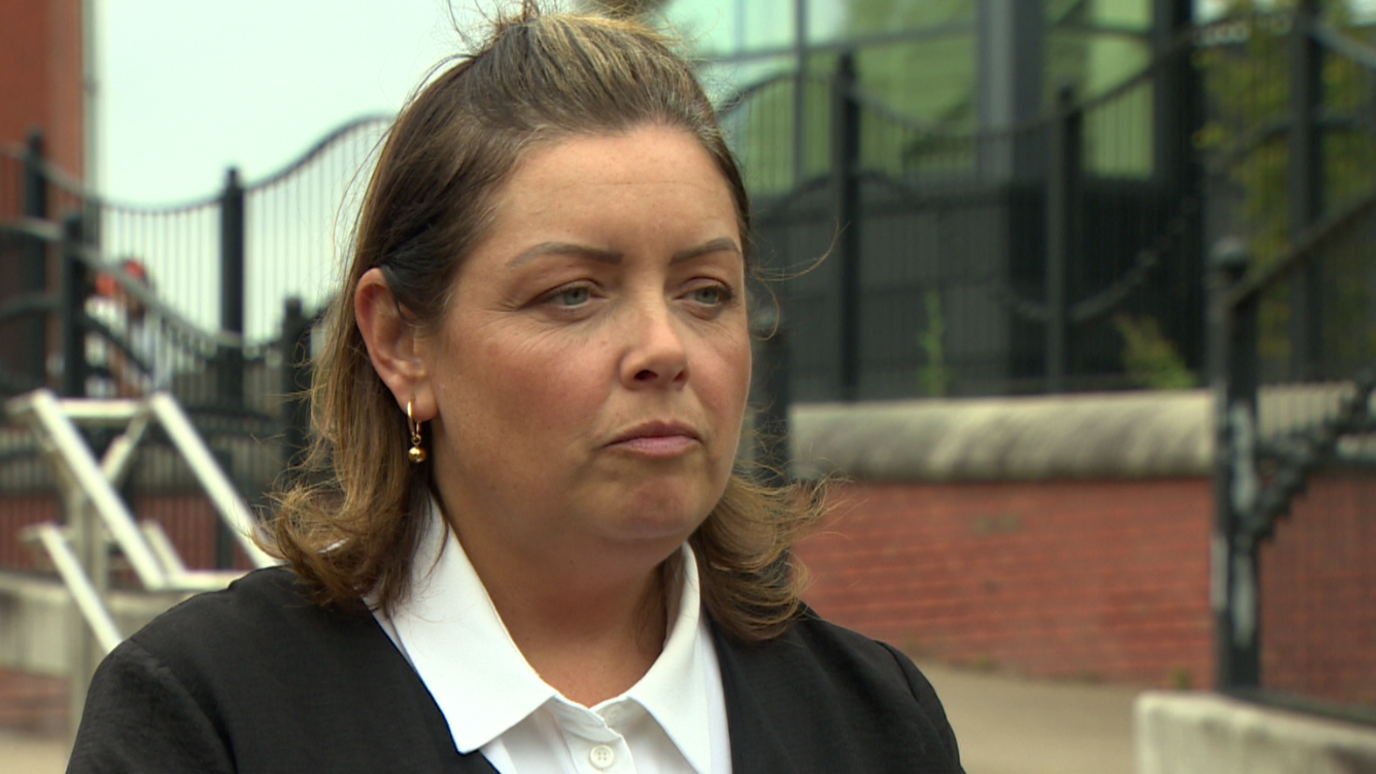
[657, 439]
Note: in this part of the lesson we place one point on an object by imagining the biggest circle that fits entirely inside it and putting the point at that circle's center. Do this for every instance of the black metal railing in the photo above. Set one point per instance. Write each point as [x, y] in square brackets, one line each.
[1293, 320]
[1037, 257]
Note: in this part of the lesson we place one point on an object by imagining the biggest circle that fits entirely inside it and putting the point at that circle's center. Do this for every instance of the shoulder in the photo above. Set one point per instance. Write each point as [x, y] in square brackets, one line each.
[841, 695]
[261, 608]
[260, 675]
[856, 660]
[262, 631]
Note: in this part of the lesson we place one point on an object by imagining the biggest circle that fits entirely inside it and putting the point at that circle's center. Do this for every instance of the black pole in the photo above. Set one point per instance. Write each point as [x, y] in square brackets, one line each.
[34, 278]
[1233, 364]
[1306, 182]
[845, 148]
[296, 382]
[800, 92]
[1177, 98]
[231, 370]
[1062, 183]
[72, 309]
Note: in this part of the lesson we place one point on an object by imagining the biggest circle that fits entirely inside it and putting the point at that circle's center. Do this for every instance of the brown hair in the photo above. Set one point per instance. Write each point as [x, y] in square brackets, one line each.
[538, 79]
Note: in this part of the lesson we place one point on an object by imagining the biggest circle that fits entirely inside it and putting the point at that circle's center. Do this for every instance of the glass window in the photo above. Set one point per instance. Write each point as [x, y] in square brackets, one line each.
[727, 27]
[870, 17]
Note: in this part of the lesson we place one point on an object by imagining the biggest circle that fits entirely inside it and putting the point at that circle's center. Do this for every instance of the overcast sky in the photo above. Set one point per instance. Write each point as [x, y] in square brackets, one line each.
[189, 88]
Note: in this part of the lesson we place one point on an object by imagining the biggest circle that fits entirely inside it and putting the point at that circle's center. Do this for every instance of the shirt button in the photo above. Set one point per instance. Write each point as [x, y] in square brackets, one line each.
[602, 756]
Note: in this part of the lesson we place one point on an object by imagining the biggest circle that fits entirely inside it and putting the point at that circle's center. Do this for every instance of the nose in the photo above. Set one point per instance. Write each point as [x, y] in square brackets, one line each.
[655, 353]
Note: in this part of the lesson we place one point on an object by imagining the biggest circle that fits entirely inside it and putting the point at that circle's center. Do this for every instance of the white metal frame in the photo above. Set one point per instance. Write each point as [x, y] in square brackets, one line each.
[90, 487]
[96, 514]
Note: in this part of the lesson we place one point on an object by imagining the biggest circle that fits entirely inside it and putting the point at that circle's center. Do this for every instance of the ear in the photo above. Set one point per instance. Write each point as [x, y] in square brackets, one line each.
[394, 345]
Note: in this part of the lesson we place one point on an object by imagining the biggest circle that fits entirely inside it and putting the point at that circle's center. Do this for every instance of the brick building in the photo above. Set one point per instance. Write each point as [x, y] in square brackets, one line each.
[41, 78]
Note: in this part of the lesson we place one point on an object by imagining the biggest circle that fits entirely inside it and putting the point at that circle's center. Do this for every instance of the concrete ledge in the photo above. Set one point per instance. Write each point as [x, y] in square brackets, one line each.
[35, 620]
[1113, 435]
[1189, 733]
[1122, 435]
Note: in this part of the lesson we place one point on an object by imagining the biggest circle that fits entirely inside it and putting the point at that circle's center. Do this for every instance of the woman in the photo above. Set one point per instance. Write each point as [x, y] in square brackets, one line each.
[533, 554]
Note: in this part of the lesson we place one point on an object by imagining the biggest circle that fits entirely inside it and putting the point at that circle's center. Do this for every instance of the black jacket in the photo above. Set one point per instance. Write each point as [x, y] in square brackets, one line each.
[257, 678]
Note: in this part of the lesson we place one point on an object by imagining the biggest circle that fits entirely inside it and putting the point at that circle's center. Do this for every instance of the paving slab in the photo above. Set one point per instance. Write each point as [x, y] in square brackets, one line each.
[1012, 725]
[32, 754]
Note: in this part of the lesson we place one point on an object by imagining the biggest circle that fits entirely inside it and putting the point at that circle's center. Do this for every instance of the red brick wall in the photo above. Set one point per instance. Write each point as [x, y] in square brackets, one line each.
[40, 76]
[189, 520]
[33, 703]
[1318, 592]
[1103, 580]
[18, 512]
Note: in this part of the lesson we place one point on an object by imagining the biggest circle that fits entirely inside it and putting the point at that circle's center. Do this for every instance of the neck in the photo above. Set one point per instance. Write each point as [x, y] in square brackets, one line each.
[591, 636]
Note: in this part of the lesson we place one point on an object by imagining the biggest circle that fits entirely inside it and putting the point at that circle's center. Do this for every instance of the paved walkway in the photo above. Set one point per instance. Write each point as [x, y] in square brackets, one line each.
[1008, 725]
[1005, 725]
[31, 755]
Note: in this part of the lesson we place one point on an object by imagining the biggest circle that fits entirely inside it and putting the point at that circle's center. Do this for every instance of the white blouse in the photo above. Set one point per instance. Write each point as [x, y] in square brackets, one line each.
[673, 721]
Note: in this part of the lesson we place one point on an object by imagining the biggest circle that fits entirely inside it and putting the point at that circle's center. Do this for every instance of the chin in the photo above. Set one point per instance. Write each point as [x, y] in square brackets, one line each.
[662, 516]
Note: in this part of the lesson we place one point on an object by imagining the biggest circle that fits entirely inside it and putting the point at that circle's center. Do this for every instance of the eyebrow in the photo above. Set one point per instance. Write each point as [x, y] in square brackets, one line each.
[722, 244]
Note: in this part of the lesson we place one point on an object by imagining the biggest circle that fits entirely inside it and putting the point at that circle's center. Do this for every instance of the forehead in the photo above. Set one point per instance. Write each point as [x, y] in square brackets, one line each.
[651, 180]
[642, 155]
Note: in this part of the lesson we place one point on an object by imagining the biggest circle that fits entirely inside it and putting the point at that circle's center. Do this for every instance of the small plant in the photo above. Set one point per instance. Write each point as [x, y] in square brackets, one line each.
[1151, 359]
[934, 376]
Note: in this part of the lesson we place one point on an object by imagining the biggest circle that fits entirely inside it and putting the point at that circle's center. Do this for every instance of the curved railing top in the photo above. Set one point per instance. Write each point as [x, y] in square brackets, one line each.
[343, 132]
[292, 167]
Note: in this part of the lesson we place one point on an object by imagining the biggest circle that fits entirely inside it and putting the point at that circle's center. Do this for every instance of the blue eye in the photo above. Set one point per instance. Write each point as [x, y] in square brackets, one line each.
[570, 297]
[712, 295]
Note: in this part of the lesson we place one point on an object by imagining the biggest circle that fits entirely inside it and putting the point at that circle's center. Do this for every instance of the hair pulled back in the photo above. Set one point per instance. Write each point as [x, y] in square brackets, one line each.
[352, 530]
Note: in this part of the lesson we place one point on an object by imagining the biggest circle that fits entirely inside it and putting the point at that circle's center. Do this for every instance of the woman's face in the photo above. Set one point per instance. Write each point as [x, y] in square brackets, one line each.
[590, 375]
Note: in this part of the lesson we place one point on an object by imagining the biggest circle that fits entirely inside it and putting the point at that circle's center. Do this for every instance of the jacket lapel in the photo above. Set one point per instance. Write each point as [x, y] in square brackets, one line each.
[757, 731]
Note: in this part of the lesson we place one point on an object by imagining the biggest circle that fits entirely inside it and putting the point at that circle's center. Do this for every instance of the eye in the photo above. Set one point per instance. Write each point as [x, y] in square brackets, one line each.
[711, 295]
[571, 297]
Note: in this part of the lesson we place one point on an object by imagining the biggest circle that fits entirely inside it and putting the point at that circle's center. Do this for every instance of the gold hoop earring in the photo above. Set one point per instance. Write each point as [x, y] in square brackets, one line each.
[415, 454]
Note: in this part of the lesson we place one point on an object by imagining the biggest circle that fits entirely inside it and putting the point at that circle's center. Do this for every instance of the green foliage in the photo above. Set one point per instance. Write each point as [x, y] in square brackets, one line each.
[1150, 359]
[1249, 90]
[933, 374]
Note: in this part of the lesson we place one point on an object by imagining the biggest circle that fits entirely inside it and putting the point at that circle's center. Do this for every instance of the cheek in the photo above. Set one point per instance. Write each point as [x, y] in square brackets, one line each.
[731, 374]
[538, 382]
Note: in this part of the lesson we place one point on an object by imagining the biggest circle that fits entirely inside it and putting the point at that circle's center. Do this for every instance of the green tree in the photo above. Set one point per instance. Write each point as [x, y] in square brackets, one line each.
[1248, 85]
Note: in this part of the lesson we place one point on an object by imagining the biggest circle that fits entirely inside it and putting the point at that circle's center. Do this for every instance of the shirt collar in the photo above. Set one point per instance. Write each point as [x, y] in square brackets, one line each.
[454, 638]
[674, 691]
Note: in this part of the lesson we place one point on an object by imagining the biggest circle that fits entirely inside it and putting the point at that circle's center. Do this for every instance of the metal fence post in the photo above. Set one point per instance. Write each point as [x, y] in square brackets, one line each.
[231, 365]
[800, 92]
[1234, 591]
[34, 270]
[72, 308]
[845, 162]
[1062, 200]
[1306, 185]
[296, 382]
